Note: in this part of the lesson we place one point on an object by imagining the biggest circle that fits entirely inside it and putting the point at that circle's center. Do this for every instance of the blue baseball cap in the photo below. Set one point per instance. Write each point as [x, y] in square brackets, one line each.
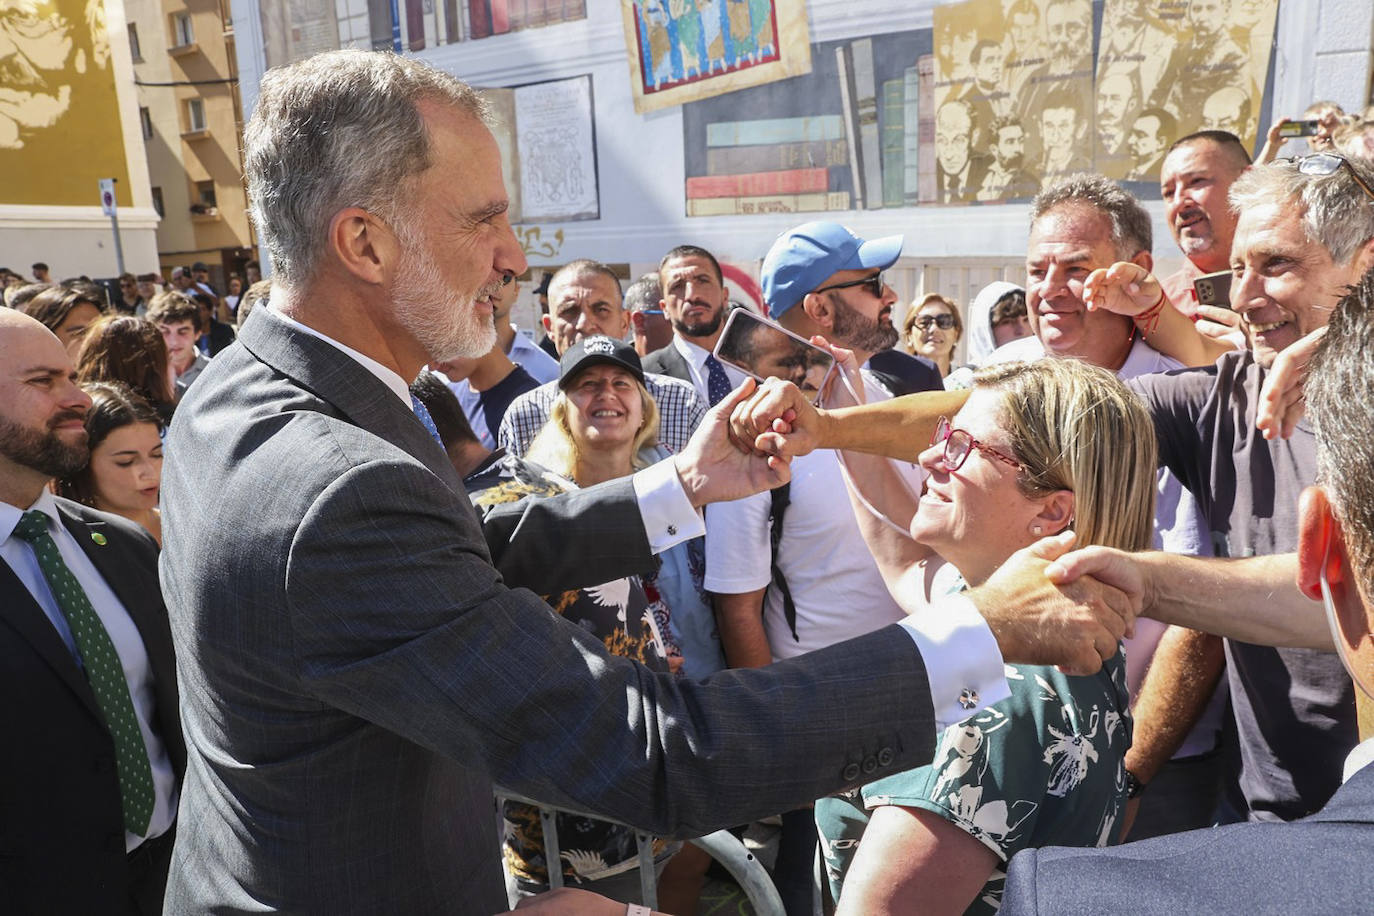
[803, 258]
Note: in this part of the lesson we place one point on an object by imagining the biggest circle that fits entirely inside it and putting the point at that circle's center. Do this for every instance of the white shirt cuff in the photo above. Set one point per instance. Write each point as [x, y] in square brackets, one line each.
[668, 516]
[962, 660]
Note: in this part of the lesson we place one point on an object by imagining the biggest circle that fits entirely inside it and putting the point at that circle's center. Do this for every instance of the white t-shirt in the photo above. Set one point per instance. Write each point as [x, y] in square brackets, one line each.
[835, 583]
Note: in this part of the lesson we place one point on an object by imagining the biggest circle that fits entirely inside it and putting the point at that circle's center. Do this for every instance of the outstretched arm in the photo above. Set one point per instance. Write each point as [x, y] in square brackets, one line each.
[1131, 290]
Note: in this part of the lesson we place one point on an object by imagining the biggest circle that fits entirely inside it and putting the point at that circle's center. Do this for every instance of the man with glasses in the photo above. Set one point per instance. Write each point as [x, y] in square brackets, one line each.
[820, 585]
[1305, 233]
[130, 301]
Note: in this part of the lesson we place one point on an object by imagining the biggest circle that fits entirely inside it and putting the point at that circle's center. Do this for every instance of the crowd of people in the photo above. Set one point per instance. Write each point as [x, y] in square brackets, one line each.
[406, 552]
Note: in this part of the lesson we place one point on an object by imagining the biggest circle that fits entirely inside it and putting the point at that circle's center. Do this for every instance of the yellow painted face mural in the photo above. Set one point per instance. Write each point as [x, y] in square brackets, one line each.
[59, 117]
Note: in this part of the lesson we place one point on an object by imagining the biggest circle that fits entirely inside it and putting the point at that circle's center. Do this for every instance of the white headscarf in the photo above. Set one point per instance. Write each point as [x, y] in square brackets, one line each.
[978, 320]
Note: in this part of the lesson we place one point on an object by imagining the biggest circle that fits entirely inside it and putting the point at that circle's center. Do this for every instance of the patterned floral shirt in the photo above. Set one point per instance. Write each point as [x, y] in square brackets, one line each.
[1043, 767]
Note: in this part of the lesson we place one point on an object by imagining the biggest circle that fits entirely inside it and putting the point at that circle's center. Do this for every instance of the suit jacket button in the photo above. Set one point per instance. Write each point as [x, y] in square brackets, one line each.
[850, 772]
[885, 757]
[870, 764]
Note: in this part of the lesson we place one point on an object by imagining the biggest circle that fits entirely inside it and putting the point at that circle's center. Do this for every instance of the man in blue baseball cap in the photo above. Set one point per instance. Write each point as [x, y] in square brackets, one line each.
[819, 584]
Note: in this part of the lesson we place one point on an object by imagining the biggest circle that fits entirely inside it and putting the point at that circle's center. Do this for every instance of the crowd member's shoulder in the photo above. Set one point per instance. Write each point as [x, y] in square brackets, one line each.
[901, 373]
[107, 528]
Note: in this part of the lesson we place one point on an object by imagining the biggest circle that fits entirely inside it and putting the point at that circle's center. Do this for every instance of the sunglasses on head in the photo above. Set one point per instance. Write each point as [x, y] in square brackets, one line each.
[943, 322]
[873, 284]
[1322, 164]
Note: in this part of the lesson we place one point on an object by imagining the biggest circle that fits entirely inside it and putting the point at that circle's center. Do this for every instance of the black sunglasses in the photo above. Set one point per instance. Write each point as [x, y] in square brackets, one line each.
[943, 322]
[873, 284]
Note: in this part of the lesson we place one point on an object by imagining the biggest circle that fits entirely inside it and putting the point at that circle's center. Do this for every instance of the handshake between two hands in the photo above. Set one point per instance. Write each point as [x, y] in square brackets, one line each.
[1045, 605]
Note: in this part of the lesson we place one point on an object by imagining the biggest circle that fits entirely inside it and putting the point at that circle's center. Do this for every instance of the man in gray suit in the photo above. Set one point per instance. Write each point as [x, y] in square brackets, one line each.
[355, 669]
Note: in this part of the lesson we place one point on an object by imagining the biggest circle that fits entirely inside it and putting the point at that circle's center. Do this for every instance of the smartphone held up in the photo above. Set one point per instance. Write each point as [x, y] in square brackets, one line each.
[765, 349]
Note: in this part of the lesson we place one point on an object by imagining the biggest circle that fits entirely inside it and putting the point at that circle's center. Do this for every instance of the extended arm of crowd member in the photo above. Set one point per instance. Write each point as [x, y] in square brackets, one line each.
[1254, 599]
[1182, 677]
[1131, 290]
[1282, 400]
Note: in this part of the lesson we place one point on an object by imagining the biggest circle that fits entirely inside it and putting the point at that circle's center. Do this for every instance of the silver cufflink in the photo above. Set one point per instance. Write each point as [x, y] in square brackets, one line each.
[968, 698]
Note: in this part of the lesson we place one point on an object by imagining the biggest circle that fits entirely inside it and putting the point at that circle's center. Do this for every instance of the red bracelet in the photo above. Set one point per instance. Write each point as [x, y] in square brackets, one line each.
[1150, 317]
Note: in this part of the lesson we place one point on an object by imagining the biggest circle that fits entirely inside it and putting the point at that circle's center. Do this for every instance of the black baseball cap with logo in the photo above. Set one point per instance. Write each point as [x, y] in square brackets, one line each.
[598, 350]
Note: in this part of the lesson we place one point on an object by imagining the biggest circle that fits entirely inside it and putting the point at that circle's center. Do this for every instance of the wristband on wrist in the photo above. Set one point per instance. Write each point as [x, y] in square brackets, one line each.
[1134, 787]
[1148, 320]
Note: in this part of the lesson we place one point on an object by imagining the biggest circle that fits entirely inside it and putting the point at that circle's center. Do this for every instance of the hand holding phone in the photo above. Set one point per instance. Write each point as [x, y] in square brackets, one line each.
[1214, 289]
[765, 349]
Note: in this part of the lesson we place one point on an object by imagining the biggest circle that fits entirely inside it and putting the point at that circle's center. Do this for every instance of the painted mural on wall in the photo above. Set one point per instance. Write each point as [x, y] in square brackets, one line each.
[547, 141]
[59, 114]
[683, 50]
[844, 136]
[993, 101]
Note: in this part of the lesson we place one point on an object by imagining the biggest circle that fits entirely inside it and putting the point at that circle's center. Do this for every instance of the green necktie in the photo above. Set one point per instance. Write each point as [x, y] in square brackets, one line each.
[103, 670]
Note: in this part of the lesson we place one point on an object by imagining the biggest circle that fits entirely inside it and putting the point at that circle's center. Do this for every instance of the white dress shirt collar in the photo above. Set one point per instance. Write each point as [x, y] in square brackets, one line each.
[389, 378]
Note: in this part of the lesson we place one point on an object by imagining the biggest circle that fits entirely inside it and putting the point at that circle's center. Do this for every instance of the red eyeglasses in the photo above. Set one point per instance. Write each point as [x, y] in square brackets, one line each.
[959, 445]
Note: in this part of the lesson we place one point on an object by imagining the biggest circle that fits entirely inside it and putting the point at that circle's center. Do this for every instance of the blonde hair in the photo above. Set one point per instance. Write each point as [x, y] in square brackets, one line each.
[554, 448]
[1076, 427]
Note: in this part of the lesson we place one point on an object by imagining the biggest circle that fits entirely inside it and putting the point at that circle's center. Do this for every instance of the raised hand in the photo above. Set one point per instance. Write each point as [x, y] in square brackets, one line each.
[713, 468]
[778, 420]
[1076, 625]
[1282, 399]
[1125, 288]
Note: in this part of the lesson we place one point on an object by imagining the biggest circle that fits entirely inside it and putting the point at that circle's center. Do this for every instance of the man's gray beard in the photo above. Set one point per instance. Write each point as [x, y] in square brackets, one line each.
[45, 453]
[445, 326]
[855, 332]
[701, 328]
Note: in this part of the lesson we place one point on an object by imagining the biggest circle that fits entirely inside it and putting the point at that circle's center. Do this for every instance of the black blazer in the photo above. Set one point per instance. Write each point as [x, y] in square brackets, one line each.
[61, 823]
[668, 361]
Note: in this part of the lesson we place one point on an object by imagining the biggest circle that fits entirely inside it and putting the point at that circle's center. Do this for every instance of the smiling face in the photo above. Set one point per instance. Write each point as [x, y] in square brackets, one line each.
[975, 517]
[583, 305]
[605, 409]
[1066, 244]
[693, 299]
[457, 245]
[1284, 285]
[932, 341]
[1194, 183]
[126, 470]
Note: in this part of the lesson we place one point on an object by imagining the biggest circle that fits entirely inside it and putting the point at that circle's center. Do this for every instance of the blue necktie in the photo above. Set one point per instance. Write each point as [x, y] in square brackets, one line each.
[426, 420]
[717, 383]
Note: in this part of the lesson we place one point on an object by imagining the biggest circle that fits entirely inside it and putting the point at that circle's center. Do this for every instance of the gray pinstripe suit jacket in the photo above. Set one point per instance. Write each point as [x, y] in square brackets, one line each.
[355, 670]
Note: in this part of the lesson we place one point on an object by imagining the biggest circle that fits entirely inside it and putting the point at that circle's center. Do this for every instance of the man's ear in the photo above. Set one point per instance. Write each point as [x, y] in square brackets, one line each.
[1319, 543]
[1144, 259]
[364, 246]
[1364, 258]
[638, 320]
[547, 321]
[1056, 513]
[821, 310]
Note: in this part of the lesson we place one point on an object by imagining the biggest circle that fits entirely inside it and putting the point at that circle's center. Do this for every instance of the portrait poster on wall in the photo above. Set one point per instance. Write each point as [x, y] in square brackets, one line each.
[1167, 69]
[60, 115]
[547, 142]
[683, 50]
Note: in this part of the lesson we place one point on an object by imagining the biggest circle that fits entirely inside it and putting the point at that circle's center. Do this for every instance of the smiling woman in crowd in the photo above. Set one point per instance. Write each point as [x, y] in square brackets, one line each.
[932, 329]
[1039, 448]
[124, 474]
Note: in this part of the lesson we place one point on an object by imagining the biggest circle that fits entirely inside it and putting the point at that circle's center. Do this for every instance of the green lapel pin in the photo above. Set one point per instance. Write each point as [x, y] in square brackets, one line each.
[98, 538]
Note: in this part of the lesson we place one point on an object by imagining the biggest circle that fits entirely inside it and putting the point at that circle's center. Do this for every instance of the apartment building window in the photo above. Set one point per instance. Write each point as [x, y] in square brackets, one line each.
[135, 51]
[146, 121]
[205, 193]
[195, 115]
[182, 33]
[157, 201]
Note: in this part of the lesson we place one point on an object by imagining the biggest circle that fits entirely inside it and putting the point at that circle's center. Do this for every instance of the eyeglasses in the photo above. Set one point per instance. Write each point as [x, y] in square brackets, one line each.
[943, 322]
[873, 284]
[1321, 164]
[959, 445]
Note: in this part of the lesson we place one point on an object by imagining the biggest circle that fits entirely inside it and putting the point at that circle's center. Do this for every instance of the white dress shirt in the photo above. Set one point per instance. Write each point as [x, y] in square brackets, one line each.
[696, 365]
[133, 656]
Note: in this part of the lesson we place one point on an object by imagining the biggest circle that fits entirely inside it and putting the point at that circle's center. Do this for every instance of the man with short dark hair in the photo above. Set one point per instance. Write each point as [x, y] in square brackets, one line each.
[651, 328]
[695, 302]
[1151, 133]
[94, 753]
[40, 272]
[585, 300]
[1007, 178]
[1063, 136]
[177, 316]
[485, 388]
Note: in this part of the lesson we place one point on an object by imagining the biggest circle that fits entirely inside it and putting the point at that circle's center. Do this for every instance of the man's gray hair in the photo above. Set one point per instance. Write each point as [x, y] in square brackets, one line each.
[1336, 213]
[1131, 232]
[1342, 367]
[340, 129]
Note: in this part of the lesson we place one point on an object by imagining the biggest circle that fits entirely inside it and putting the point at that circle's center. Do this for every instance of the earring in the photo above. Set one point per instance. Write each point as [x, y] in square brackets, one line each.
[1035, 530]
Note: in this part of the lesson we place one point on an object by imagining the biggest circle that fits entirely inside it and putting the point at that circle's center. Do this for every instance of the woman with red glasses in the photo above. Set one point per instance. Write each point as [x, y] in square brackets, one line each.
[1037, 449]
